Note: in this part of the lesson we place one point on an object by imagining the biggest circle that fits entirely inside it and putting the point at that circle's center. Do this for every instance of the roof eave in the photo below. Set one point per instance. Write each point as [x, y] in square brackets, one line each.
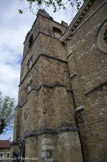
[76, 21]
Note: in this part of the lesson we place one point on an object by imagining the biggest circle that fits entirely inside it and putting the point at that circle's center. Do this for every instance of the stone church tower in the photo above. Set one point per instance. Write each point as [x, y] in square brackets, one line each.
[61, 112]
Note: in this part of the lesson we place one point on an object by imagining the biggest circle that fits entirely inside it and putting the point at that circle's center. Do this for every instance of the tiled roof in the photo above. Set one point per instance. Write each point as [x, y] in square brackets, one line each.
[4, 144]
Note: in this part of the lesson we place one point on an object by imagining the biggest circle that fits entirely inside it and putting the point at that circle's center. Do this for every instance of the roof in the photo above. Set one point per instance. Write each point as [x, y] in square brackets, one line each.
[4, 144]
[76, 22]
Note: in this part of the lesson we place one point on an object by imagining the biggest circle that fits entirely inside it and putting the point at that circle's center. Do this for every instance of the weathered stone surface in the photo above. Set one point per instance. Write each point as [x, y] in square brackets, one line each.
[45, 154]
[62, 116]
[47, 147]
[49, 160]
[89, 85]
[46, 141]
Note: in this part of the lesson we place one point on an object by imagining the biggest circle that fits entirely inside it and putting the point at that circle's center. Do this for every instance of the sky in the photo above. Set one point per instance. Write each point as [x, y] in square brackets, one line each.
[13, 29]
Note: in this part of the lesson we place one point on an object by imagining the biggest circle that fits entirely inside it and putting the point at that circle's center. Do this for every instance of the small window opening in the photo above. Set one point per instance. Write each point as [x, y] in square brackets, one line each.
[31, 41]
[57, 32]
[105, 36]
[30, 63]
[1, 156]
[8, 155]
[28, 87]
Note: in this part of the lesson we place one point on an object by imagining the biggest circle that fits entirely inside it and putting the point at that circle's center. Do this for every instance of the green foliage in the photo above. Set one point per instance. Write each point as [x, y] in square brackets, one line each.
[78, 4]
[20, 11]
[7, 105]
[56, 4]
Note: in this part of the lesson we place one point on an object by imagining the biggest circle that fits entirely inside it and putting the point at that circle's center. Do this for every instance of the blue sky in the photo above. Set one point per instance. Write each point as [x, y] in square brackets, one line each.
[13, 29]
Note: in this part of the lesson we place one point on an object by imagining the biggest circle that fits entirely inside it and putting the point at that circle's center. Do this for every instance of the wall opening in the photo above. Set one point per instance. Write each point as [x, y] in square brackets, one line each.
[1, 155]
[8, 155]
[57, 32]
[29, 87]
[30, 63]
[31, 41]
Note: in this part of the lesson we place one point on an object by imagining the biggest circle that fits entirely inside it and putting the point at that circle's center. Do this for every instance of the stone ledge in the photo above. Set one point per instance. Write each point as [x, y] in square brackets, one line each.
[47, 147]
[71, 54]
[51, 131]
[95, 88]
[73, 75]
[53, 85]
[21, 105]
[81, 108]
[50, 86]
[43, 55]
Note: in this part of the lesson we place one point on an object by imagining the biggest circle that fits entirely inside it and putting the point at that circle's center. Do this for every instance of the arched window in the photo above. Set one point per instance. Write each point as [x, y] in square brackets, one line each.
[57, 32]
[30, 41]
[101, 37]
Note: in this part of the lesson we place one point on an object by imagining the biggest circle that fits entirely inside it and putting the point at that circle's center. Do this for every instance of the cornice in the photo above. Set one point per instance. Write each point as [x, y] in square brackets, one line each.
[42, 131]
[76, 21]
[95, 88]
[75, 24]
[46, 56]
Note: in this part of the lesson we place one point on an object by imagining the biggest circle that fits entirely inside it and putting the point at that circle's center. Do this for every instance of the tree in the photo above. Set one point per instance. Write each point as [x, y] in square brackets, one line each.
[7, 106]
[56, 4]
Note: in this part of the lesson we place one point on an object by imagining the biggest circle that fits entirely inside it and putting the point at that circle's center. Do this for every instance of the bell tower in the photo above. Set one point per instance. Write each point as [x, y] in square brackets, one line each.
[45, 126]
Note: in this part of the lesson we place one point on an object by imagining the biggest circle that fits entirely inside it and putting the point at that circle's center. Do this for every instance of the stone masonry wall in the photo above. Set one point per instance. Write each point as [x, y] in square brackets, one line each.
[88, 74]
[67, 91]
[45, 126]
[53, 148]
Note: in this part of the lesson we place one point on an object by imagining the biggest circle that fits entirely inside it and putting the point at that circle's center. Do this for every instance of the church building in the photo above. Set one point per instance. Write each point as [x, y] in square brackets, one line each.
[61, 114]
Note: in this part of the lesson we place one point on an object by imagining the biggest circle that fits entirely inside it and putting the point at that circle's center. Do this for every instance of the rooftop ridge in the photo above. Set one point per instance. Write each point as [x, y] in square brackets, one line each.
[76, 20]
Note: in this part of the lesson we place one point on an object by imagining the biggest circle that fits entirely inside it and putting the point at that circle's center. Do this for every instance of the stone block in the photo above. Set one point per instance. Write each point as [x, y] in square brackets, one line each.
[45, 154]
[46, 141]
[47, 147]
[49, 160]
